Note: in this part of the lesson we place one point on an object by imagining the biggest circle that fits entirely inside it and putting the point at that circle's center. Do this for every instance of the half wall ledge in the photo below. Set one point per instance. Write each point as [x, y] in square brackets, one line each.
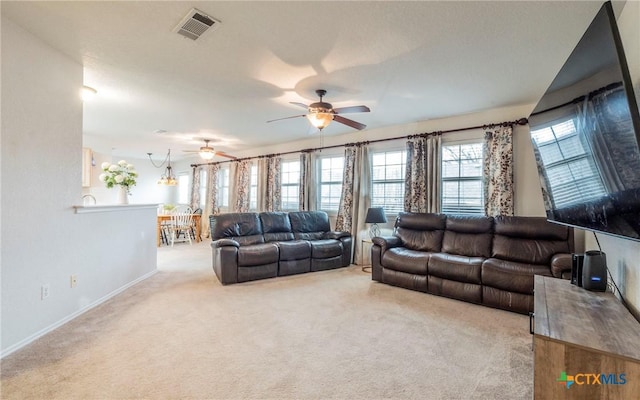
[112, 207]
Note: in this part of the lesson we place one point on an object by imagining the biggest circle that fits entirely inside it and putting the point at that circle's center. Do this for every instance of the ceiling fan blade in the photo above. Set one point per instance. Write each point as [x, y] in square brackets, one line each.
[352, 109]
[223, 154]
[349, 122]
[295, 103]
[280, 119]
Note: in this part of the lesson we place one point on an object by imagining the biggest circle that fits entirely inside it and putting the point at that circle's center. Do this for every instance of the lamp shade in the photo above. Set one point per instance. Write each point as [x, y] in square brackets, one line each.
[375, 215]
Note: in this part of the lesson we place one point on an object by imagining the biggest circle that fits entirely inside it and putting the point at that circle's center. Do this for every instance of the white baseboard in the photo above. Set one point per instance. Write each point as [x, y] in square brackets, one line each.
[39, 334]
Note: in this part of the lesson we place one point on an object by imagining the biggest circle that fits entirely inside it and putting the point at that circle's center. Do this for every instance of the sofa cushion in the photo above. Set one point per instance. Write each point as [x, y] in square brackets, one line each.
[326, 248]
[419, 231]
[236, 225]
[257, 254]
[511, 276]
[309, 221]
[457, 290]
[291, 267]
[506, 300]
[276, 226]
[455, 267]
[403, 279]
[468, 236]
[321, 264]
[526, 250]
[294, 250]
[529, 239]
[255, 272]
[406, 260]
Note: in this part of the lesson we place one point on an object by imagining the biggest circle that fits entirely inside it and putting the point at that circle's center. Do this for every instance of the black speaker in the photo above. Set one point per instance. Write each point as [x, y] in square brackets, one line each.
[576, 269]
[594, 271]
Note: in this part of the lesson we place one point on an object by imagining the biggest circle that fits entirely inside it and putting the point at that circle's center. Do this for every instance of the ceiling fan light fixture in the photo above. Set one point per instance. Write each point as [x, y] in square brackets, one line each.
[207, 153]
[320, 119]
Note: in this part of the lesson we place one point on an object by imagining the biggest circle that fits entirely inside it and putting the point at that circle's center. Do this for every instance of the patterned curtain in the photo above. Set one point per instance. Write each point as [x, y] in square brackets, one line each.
[270, 194]
[242, 182]
[211, 202]
[498, 171]
[307, 192]
[195, 187]
[354, 200]
[422, 174]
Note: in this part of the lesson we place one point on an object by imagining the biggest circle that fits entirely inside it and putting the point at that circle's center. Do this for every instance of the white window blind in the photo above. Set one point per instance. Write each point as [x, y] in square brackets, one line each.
[290, 183]
[387, 180]
[571, 172]
[331, 176]
[462, 188]
[253, 188]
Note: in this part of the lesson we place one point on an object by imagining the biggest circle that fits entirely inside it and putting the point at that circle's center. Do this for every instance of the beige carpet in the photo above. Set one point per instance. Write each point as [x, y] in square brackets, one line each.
[332, 334]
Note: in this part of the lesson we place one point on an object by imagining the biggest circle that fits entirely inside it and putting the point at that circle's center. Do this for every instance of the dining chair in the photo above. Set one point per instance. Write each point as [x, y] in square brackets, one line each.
[181, 223]
[197, 211]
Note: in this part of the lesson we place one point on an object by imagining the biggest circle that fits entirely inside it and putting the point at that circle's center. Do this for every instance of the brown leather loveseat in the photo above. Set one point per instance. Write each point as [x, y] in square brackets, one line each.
[482, 260]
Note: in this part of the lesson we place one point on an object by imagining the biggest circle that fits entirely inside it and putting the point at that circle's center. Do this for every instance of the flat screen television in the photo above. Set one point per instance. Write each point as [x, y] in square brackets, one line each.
[586, 133]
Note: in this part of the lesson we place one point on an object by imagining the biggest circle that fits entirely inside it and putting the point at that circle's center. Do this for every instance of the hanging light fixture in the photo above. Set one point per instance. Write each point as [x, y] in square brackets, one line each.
[167, 178]
[320, 119]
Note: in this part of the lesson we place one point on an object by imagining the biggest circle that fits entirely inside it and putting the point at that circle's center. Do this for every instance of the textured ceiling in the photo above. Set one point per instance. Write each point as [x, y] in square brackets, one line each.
[407, 61]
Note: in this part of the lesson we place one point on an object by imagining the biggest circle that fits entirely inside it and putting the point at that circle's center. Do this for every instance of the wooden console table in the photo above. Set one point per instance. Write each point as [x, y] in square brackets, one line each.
[579, 336]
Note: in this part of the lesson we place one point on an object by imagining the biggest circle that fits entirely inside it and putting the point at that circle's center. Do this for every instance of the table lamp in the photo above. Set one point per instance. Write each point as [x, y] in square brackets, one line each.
[375, 215]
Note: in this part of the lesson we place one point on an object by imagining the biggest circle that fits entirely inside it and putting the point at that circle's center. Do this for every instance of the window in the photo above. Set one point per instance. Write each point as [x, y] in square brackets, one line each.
[387, 180]
[331, 177]
[203, 188]
[569, 165]
[462, 189]
[223, 188]
[183, 189]
[253, 188]
[290, 181]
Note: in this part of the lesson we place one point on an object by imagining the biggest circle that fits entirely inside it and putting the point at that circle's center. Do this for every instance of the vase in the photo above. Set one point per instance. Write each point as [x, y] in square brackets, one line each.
[122, 195]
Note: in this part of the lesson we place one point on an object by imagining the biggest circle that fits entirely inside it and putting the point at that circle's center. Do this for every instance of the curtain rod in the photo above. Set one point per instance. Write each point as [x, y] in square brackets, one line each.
[580, 99]
[521, 121]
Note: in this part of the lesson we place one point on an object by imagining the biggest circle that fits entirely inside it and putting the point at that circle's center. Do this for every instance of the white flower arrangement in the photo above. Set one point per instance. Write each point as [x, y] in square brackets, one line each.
[122, 173]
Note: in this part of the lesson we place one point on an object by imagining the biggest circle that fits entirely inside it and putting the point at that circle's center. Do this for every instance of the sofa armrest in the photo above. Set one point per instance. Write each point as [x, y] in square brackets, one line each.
[561, 263]
[224, 242]
[336, 235]
[387, 242]
[225, 260]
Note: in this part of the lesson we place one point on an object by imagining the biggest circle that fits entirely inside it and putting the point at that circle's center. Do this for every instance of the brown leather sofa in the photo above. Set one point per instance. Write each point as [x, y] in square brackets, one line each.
[481, 260]
[250, 246]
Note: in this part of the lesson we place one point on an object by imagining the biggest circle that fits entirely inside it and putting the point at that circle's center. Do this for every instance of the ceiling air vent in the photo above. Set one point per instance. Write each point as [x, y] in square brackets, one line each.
[194, 24]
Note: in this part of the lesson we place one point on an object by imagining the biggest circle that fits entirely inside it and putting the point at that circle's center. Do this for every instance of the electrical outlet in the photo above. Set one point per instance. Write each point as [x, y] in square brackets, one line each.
[74, 281]
[44, 291]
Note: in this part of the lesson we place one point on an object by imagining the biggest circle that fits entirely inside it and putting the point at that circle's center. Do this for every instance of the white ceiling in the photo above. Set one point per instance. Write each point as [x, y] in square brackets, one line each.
[407, 61]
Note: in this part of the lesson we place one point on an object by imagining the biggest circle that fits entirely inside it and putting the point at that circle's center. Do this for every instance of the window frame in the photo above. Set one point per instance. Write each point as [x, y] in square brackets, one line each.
[224, 172]
[286, 184]
[321, 183]
[476, 210]
[401, 180]
[568, 161]
[253, 187]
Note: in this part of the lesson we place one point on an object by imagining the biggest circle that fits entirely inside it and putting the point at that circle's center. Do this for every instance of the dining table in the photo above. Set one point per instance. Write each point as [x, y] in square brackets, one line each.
[167, 217]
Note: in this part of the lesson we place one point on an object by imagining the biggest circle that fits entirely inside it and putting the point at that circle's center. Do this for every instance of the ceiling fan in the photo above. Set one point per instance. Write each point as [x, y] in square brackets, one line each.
[321, 114]
[207, 152]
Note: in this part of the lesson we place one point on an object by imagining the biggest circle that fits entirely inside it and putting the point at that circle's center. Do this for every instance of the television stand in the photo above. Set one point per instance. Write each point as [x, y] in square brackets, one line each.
[586, 344]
